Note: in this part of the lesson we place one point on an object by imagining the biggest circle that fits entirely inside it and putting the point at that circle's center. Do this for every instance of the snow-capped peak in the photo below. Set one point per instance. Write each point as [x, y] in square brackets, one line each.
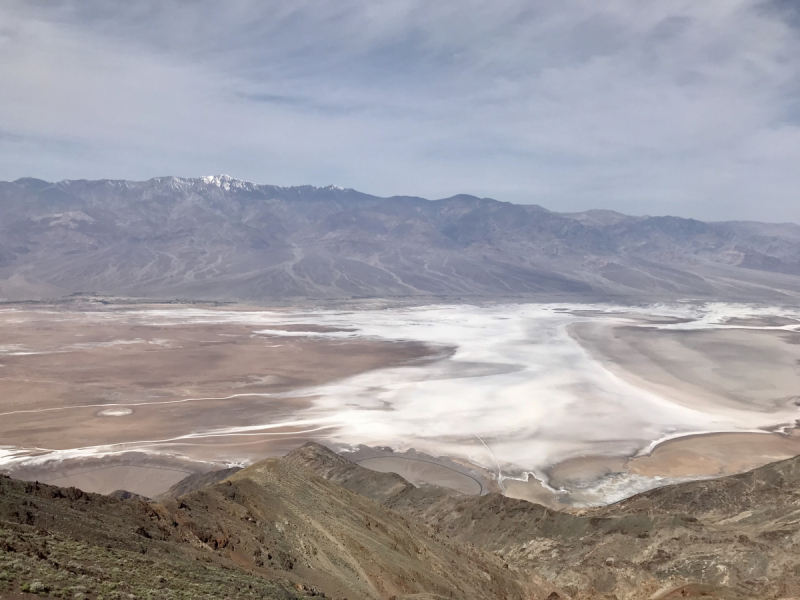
[218, 180]
[226, 182]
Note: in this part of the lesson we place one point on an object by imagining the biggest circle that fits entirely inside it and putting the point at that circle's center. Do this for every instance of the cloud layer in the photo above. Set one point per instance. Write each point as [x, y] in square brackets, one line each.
[676, 107]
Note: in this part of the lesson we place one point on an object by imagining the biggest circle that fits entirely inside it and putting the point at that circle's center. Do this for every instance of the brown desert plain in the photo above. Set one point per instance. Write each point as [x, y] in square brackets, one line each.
[65, 372]
[106, 395]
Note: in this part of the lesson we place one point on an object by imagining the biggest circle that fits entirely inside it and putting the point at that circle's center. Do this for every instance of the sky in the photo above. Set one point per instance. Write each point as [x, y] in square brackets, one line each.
[671, 107]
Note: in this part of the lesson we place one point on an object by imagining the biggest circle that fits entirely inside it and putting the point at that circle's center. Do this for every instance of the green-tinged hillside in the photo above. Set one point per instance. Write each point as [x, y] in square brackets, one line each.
[733, 537]
[316, 524]
[272, 530]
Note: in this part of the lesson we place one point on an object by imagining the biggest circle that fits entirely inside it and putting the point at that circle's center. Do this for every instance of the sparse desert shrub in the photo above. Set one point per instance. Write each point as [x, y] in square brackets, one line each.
[37, 587]
[74, 566]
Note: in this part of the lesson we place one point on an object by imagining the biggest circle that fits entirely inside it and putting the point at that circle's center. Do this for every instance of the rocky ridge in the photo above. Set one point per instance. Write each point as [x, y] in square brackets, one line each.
[733, 537]
[315, 524]
[272, 530]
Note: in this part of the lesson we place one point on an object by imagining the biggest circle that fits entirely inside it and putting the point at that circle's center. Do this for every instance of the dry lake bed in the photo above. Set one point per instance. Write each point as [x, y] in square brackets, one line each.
[561, 404]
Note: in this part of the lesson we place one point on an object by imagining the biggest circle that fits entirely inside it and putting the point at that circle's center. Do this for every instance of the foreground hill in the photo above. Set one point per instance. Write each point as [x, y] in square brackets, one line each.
[269, 531]
[734, 537]
[220, 238]
[315, 524]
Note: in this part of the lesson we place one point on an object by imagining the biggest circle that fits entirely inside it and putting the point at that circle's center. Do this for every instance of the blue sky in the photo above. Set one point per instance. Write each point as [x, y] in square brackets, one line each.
[669, 107]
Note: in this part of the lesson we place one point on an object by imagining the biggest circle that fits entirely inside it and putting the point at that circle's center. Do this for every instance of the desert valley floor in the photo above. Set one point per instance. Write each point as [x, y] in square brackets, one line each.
[563, 404]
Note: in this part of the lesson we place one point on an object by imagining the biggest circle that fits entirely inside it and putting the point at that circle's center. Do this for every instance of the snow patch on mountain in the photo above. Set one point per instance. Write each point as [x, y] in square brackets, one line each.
[226, 182]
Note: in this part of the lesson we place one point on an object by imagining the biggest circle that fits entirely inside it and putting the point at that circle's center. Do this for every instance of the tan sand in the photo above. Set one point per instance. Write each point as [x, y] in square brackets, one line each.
[718, 371]
[586, 468]
[679, 459]
[138, 472]
[420, 468]
[418, 471]
[65, 373]
[532, 491]
[145, 481]
[715, 454]
[715, 370]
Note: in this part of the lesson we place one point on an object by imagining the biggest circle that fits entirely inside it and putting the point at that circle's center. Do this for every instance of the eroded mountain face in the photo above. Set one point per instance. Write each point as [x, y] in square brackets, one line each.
[733, 537]
[272, 530]
[315, 524]
[220, 238]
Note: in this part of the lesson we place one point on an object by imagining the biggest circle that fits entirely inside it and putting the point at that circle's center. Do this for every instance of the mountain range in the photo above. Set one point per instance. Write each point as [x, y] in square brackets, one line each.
[313, 524]
[219, 238]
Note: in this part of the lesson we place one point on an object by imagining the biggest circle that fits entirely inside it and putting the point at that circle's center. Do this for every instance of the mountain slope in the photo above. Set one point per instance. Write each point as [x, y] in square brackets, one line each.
[278, 530]
[64, 542]
[370, 551]
[272, 530]
[220, 238]
[197, 481]
[734, 537]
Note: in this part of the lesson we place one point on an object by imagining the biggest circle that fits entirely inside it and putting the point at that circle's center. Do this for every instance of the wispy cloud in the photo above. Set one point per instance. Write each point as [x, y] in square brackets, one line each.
[302, 103]
[668, 107]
